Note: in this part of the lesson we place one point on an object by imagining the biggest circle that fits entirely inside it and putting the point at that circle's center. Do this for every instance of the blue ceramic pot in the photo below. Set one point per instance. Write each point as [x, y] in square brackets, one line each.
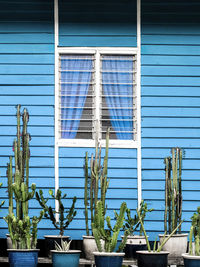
[65, 258]
[190, 260]
[152, 259]
[23, 257]
[104, 259]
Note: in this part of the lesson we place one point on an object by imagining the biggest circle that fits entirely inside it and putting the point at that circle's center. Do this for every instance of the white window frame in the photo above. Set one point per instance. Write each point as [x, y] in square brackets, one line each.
[97, 51]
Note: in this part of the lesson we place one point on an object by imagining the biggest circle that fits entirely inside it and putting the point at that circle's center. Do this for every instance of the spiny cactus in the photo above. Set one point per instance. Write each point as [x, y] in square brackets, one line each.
[50, 212]
[98, 175]
[133, 223]
[109, 235]
[173, 190]
[2, 202]
[22, 230]
[195, 232]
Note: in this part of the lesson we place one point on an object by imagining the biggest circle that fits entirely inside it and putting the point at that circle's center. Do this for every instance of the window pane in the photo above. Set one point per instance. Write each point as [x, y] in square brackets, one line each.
[76, 96]
[118, 86]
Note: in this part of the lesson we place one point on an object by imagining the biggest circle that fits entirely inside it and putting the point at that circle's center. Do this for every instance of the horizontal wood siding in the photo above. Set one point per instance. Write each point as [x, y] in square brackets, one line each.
[170, 102]
[27, 78]
[122, 172]
[97, 23]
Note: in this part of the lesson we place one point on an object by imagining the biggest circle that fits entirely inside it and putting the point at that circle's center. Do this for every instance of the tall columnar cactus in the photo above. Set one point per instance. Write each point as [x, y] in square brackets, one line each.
[195, 232]
[2, 202]
[50, 213]
[173, 190]
[21, 227]
[109, 235]
[98, 176]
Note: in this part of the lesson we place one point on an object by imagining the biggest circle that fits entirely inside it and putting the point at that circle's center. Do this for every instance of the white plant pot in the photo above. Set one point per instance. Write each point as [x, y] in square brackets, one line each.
[89, 246]
[136, 240]
[176, 245]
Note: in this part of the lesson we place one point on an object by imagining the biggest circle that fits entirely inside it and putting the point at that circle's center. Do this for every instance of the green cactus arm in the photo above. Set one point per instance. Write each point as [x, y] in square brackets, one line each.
[145, 234]
[123, 242]
[166, 239]
[190, 241]
[97, 237]
[86, 193]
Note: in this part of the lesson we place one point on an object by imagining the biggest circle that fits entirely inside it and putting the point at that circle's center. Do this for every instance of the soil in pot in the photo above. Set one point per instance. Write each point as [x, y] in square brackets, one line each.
[63, 258]
[152, 259]
[50, 242]
[191, 260]
[103, 259]
[23, 257]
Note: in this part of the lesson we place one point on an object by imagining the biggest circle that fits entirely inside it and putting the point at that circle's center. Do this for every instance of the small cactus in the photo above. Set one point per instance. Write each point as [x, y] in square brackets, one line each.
[109, 235]
[195, 232]
[22, 230]
[50, 213]
[133, 223]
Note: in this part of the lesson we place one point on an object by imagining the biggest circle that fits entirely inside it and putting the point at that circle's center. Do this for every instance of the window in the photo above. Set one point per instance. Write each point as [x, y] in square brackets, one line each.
[97, 90]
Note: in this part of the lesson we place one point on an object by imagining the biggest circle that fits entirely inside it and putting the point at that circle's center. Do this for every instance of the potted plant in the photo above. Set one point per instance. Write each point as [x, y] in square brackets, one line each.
[135, 242]
[22, 229]
[106, 255]
[177, 244]
[157, 257]
[95, 180]
[192, 259]
[60, 222]
[62, 256]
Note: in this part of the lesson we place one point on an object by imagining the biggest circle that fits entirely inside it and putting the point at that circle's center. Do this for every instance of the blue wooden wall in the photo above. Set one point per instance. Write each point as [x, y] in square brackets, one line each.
[170, 101]
[98, 23]
[170, 97]
[27, 78]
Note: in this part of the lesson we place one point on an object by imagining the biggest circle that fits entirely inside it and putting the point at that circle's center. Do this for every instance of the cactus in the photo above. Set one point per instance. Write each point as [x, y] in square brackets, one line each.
[109, 235]
[133, 223]
[22, 230]
[195, 232]
[164, 238]
[2, 202]
[50, 213]
[98, 175]
[173, 190]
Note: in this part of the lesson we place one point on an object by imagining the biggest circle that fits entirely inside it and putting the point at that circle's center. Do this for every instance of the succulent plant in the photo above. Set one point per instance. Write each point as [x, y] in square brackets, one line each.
[173, 190]
[95, 179]
[64, 246]
[22, 230]
[110, 234]
[50, 213]
[2, 202]
[195, 232]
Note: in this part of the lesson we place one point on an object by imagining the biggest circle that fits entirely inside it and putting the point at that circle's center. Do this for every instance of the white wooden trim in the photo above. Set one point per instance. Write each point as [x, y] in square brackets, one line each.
[97, 96]
[104, 50]
[139, 152]
[56, 148]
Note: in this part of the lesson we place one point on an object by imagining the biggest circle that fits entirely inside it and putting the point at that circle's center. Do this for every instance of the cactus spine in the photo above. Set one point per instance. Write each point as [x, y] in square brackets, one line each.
[173, 190]
[195, 232]
[98, 176]
[50, 213]
[109, 235]
[20, 226]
